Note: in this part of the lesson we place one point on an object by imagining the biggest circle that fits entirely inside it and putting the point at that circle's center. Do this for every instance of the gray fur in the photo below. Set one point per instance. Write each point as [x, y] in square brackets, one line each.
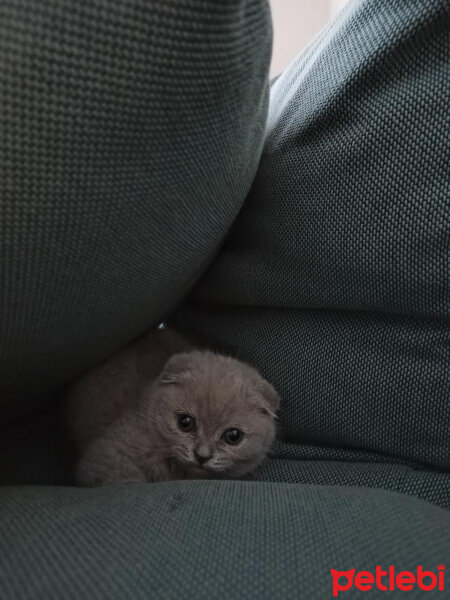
[124, 414]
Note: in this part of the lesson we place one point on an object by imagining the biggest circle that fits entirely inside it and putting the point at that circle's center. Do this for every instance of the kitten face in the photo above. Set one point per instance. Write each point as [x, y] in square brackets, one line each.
[214, 414]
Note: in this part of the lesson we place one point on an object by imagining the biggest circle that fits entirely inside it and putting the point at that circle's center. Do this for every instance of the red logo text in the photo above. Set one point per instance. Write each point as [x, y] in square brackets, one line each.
[388, 580]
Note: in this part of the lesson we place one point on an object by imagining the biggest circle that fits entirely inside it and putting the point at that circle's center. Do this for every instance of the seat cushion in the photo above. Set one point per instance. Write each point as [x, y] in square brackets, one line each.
[34, 452]
[316, 465]
[208, 540]
[334, 280]
[130, 134]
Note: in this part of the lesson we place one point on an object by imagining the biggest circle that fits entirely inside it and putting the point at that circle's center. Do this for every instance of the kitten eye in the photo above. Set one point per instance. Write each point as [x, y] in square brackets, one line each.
[233, 436]
[186, 422]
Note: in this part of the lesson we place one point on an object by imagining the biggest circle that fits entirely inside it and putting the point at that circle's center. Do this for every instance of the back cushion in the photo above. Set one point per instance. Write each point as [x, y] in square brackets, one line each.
[335, 279]
[130, 133]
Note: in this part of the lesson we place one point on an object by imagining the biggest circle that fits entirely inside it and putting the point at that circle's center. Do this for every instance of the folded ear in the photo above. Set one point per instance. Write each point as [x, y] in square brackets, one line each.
[271, 397]
[177, 368]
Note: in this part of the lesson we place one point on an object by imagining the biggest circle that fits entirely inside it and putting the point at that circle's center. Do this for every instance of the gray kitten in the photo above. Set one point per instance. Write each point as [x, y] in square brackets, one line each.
[159, 410]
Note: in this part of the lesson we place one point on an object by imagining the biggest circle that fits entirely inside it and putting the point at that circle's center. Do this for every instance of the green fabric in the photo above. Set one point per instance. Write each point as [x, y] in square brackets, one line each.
[423, 483]
[130, 133]
[33, 452]
[334, 280]
[207, 540]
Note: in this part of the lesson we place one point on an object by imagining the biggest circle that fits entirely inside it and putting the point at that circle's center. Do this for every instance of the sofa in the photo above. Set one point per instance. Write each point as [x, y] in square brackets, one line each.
[151, 172]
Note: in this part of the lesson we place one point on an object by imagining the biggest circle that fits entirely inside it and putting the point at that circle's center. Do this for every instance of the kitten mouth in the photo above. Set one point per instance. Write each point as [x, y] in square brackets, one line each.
[195, 466]
[203, 468]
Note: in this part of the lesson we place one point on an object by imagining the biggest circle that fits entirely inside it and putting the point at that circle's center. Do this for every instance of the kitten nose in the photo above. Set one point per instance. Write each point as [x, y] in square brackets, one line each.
[202, 454]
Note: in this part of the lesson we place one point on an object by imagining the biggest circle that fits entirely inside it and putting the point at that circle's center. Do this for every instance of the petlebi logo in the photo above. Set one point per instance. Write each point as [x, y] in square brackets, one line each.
[389, 579]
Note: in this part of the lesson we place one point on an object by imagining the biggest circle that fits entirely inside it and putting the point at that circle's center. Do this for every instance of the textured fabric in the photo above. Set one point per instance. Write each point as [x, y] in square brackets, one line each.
[432, 486]
[129, 136]
[208, 540]
[33, 453]
[334, 280]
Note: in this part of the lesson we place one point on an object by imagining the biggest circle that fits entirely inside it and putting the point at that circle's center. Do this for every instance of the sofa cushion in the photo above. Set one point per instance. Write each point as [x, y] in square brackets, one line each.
[334, 280]
[208, 540]
[317, 465]
[33, 452]
[130, 134]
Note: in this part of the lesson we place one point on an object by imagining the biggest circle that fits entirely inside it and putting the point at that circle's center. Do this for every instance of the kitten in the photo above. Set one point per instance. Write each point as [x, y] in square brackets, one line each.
[159, 410]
